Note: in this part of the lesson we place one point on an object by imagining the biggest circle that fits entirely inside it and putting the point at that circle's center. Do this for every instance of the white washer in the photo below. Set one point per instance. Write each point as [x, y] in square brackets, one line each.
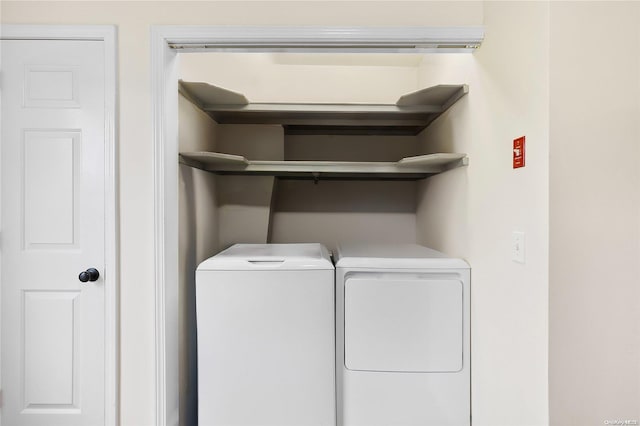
[266, 353]
[402, 336]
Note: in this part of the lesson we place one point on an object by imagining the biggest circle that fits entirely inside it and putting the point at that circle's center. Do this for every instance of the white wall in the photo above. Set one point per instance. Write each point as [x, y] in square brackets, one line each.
[471, 212]
[135, 136]
[594, 354]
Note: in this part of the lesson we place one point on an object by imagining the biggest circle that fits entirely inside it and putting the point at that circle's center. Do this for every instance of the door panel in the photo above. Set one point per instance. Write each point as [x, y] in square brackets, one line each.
[51, 86]
[50, 327]
[51, 171]
[52, 183]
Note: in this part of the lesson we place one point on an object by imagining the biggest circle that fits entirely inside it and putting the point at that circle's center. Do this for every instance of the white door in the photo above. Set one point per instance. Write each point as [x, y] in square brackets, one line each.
[53, 225]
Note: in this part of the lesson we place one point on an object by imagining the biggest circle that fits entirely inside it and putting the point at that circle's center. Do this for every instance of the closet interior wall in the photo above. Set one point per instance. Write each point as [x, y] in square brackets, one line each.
[335, 211]
[198, 238]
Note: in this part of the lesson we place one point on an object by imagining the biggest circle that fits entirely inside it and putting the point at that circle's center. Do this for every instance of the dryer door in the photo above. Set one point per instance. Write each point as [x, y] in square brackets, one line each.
[403, 322]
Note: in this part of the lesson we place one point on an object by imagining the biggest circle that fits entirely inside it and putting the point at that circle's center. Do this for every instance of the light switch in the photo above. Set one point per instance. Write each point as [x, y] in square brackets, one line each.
[517, 247]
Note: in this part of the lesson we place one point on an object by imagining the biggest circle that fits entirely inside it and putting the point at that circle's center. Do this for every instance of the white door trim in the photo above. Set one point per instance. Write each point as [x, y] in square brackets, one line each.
[164, 104]
[106, 34]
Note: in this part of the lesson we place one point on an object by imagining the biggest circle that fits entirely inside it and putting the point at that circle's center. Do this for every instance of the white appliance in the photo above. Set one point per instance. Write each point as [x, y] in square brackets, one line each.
[402, 336]
[265, 323]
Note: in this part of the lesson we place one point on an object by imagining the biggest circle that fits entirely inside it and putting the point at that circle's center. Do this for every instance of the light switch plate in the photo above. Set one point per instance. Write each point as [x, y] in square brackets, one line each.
[517, 247]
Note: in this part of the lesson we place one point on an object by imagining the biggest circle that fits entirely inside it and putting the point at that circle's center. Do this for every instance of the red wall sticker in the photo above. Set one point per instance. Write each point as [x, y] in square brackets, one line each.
[518, 152]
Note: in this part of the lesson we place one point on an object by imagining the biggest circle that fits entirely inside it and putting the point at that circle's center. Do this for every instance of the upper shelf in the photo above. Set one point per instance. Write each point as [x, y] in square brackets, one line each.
[417, 167]
[408, 116]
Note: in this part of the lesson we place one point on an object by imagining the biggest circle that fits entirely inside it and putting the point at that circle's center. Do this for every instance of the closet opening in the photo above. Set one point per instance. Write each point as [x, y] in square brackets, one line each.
[380, 190]
[270, 145]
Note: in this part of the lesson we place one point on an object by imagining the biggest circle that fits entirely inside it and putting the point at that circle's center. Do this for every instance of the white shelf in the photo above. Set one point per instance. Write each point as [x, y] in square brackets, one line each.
[408, 116]
[417, 167]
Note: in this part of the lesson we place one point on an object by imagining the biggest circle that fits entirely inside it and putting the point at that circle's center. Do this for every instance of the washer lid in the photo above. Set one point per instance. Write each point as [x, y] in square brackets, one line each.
[384, 256]
[261, 257]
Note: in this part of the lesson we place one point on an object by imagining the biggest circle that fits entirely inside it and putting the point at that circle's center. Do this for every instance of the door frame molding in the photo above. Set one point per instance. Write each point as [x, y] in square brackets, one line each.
[108, 35]
[164, 106]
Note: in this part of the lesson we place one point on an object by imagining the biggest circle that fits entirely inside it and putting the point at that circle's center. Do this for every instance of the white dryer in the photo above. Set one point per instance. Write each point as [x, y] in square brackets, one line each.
[265, 325]
[402, 336]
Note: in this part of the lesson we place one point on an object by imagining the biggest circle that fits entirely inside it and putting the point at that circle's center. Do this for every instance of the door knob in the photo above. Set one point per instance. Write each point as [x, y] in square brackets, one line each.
[90, 274]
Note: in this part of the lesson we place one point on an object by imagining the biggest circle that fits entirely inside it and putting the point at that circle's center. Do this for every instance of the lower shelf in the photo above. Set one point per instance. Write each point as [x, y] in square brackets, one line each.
[417, 167]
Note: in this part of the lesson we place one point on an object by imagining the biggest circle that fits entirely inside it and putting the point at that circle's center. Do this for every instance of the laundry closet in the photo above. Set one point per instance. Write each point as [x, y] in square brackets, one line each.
[308, 148]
